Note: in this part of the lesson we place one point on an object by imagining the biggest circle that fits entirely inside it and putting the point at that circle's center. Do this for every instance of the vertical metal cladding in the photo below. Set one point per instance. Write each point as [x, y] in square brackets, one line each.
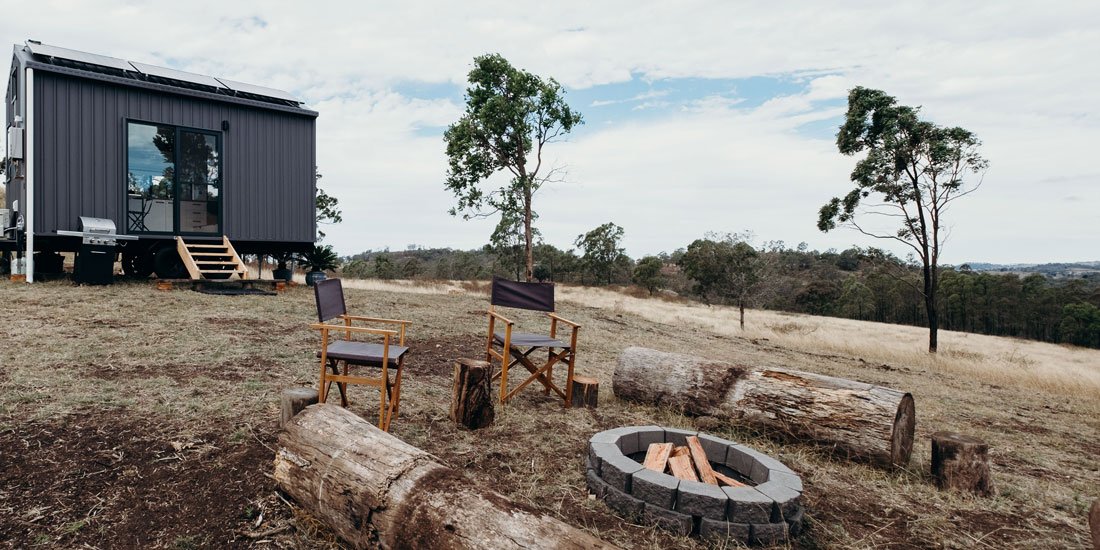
[268, 157]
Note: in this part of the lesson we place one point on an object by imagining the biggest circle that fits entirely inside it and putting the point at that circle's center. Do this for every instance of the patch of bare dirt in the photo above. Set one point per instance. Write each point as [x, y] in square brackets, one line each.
[235, 371]
[111, 481]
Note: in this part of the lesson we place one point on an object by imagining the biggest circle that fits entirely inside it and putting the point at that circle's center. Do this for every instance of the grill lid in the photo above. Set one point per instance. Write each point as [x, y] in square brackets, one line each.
[99, 226]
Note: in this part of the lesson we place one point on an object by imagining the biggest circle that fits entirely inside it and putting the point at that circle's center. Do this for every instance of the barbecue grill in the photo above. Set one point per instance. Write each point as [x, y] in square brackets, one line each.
[95, 260]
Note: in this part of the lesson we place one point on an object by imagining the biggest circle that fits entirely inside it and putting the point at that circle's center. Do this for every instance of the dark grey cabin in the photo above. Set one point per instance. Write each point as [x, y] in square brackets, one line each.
[158, 151]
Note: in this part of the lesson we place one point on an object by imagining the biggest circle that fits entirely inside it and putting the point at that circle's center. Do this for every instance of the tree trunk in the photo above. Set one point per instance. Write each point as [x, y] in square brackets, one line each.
[376, 491]
[293, 400]
[528, 252]
[866, 422]
[471, 396]
[961, 462]
[741, 308]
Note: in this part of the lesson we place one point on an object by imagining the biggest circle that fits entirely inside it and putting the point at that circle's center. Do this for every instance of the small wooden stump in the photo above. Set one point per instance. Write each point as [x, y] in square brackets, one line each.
[293, 400]
[1094, 524]
[471, 401]
[961, 462]
[164, 285]
[280, 286]
[586, 391]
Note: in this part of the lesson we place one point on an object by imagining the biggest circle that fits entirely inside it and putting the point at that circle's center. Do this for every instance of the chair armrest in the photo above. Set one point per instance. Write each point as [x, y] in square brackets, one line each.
[563, 320]
[325, 328]
[501, 317]
[377, 320]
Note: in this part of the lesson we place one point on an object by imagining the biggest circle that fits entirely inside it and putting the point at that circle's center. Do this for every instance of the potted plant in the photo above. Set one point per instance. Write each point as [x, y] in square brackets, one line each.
[318, 261]
[282, 270]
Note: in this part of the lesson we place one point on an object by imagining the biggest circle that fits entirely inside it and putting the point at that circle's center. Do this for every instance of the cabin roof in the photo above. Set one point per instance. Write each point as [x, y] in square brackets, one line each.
[117, 71]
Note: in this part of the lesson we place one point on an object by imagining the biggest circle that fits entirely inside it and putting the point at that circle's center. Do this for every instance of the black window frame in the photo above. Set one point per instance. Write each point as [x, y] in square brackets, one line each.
[218, 135]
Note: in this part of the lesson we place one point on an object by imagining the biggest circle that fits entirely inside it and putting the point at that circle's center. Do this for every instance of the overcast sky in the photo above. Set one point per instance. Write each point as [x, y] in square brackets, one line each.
[700, 116]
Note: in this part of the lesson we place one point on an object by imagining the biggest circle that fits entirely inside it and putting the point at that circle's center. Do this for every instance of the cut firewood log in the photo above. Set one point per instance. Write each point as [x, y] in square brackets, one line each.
[1094, 524]
[376, 491]
[727, 480]
[293, 400]
[471, 394]
[702, 464]
[586, 392]
[680, 450]
[656, 457]
[863, 421]
[961, 462]
[681, 467]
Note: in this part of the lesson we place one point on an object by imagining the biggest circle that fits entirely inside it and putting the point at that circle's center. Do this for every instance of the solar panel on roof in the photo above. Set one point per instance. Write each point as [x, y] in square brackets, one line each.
[165, 72]
[257, 90]
[82, 57]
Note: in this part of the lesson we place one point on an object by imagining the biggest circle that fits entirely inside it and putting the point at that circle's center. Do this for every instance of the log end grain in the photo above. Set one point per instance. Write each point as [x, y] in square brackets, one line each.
[901, 438]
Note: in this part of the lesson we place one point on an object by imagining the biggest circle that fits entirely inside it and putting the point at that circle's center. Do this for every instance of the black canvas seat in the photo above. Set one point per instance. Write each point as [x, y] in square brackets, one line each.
[364, 353]
[338, 348]
[518, 348]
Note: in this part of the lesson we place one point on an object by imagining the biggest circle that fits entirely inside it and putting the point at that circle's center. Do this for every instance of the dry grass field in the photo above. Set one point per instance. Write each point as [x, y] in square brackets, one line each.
[131, 417]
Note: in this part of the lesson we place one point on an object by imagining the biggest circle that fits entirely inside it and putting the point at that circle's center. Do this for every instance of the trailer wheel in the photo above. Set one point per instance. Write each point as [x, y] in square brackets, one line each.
[138, 264]
[168, 265]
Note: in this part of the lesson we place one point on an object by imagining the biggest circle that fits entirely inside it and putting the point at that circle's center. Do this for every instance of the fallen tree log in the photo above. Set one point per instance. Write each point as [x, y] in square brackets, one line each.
[863, 421]
[375, 490]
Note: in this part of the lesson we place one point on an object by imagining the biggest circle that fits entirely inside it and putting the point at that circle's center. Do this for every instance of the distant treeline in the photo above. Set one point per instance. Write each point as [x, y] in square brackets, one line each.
[866, 284]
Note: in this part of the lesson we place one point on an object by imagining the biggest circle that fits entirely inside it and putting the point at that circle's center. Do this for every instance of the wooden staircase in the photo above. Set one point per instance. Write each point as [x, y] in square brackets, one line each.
[207, 261]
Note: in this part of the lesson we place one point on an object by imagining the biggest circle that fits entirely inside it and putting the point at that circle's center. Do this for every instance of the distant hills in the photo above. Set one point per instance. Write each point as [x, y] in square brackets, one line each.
[1077, 270]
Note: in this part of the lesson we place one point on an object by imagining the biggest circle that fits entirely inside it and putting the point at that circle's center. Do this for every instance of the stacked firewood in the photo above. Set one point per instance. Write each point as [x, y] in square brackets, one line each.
[688, 462]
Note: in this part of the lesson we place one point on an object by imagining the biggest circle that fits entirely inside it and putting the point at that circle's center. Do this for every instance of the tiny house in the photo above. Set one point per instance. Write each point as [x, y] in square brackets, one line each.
[160, 152]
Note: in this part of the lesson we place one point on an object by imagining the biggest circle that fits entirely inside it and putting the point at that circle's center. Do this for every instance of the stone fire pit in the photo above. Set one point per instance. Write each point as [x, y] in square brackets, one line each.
[765, 512]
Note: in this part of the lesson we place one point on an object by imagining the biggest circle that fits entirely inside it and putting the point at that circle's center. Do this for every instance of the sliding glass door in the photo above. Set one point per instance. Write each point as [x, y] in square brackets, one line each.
[173, 180]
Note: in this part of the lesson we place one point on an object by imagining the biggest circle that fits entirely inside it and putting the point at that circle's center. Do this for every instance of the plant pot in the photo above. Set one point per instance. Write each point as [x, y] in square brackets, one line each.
[284, 274]
[314, 277]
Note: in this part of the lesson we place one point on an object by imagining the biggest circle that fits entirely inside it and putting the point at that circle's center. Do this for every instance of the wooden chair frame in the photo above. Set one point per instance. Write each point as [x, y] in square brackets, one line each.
[511, 355]
[386, 390]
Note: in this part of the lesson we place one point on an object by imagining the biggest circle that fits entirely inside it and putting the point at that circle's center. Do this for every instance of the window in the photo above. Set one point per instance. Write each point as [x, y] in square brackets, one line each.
[173, 180]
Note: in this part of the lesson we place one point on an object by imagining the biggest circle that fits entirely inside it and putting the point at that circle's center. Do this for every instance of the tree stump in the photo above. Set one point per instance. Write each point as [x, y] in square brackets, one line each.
[865, 422]
[1094, 524]
[293, 400]
[961, 462]
[376, 491]
[586, 391]
[471, 401]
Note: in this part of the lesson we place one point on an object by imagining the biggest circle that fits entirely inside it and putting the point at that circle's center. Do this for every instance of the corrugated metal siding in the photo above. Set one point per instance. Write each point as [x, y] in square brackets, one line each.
[268, 158]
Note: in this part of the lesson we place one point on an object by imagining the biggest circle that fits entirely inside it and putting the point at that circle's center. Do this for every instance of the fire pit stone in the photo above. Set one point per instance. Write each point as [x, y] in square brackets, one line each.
[765, 511]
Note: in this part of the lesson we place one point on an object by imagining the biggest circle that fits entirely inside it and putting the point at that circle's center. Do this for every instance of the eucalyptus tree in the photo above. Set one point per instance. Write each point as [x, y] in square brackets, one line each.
[911, 172]
[510, 116]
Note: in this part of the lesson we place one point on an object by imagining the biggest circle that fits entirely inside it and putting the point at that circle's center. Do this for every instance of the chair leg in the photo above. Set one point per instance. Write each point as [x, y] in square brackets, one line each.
[342, 386]
[569, 378]
[382, 408]
[549, 371]
[322, 390]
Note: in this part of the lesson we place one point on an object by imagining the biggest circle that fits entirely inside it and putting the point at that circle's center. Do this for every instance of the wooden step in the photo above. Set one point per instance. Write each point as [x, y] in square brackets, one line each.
[222, 257]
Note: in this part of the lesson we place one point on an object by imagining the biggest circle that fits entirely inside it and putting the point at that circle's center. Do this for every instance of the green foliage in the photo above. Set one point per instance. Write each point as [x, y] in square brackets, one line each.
[723, 271]
[1081, 324]
[602, 251]
[510, 116]
[913, 169]
[328, 211]
[647, 274]
[321, 258]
